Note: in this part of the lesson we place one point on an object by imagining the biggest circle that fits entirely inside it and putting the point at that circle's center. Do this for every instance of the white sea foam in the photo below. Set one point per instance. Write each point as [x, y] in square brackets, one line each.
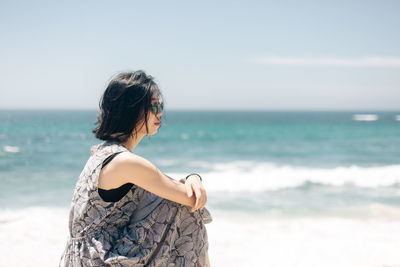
[32, 236]
[37, 237]
[244, 240]
[11, 149]
[245, 176]
[397, 117]
[365, 117]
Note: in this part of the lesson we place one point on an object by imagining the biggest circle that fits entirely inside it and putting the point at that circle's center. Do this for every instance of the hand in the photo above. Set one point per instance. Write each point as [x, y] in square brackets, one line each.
[194, 185]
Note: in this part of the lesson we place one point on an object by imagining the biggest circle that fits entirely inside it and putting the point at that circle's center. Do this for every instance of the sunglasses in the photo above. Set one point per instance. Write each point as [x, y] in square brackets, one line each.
[156, 107]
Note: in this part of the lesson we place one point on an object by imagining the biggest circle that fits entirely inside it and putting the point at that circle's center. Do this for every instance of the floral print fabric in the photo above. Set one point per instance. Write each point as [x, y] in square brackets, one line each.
[141, 229]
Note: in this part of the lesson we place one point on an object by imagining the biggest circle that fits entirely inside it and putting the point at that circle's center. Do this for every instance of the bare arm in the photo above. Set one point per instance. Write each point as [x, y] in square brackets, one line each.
[141, 172]
[194, 187]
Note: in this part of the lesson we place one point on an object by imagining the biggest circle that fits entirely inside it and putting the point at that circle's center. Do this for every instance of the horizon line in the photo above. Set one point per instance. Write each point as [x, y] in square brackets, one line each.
[220, 110]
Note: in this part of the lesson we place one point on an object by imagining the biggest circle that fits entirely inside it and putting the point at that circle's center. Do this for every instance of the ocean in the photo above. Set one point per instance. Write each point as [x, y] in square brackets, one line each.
[284, 188]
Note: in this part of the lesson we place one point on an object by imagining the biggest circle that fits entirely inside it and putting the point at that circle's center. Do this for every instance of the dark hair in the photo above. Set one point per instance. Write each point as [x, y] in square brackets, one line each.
[125, 102]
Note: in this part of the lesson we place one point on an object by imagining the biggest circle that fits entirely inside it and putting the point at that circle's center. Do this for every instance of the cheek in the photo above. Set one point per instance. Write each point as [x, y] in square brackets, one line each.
[151, 118]
[142, 124]
[150, 122]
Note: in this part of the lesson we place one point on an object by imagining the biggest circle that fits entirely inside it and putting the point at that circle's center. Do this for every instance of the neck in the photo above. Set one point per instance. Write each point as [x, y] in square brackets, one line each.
[133, 141]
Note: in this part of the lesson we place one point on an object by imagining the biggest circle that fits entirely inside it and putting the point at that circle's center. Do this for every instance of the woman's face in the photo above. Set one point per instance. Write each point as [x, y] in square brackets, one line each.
[153, 120]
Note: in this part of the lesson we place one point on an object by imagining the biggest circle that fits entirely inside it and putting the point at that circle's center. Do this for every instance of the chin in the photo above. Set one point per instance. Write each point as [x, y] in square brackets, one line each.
[153, 132]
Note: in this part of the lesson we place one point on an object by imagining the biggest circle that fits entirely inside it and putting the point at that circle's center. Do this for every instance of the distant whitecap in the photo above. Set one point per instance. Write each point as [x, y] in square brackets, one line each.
[398, 118]
[184, 136]
[11, 149]
[365, 117]
[251, 176]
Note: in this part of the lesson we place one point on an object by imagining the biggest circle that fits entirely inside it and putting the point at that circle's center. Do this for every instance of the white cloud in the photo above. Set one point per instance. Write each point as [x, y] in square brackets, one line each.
[331, 61]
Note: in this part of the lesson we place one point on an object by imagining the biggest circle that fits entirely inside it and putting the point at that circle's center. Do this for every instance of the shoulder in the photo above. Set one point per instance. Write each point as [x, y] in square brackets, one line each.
[131, 158]
[128, 161]
[126, 167]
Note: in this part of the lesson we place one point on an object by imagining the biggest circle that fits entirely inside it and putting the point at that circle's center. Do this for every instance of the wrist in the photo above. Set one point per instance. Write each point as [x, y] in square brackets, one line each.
[194, 174]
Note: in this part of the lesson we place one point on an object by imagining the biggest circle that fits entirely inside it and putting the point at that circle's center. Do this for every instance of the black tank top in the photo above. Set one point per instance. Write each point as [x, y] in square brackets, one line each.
[114, 195]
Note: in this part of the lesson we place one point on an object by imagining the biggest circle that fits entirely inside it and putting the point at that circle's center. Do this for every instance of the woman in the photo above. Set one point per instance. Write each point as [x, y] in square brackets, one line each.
[124, 211]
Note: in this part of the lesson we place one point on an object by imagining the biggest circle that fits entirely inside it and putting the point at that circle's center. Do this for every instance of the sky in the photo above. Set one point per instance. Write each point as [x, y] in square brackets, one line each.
[218, 55]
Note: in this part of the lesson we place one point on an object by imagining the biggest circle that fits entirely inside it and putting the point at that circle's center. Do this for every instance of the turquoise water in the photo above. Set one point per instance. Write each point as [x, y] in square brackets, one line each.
[273, 162]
